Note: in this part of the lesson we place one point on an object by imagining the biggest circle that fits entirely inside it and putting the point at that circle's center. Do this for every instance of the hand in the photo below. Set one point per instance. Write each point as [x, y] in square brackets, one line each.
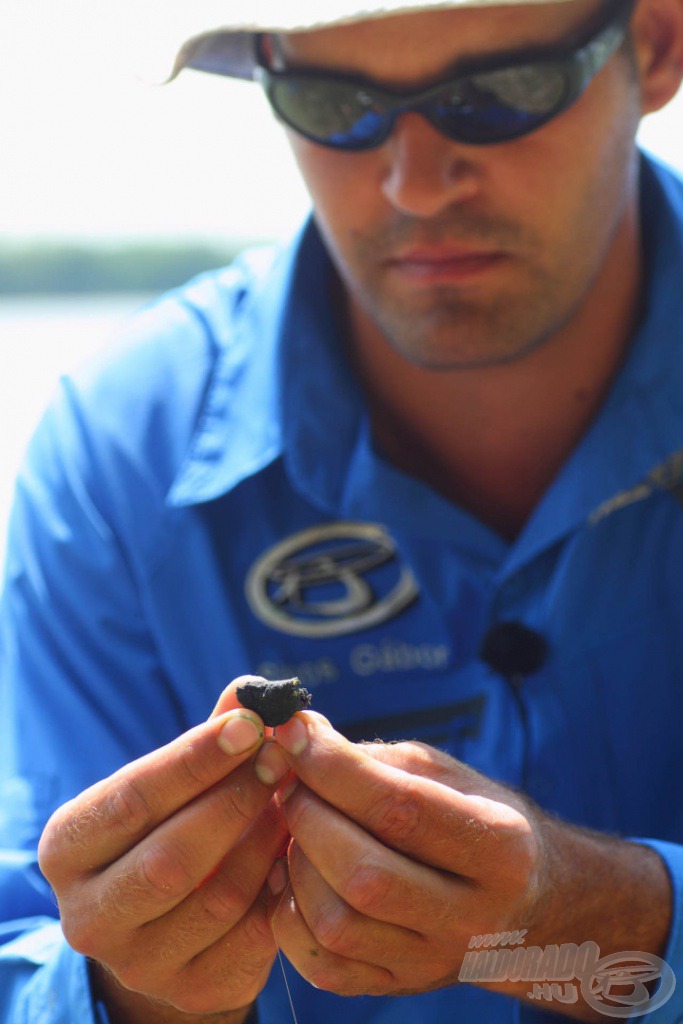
[399, 856]
[159, 870]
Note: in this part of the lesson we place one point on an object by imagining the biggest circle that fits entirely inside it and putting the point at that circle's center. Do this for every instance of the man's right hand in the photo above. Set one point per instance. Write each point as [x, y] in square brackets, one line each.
[159, 872]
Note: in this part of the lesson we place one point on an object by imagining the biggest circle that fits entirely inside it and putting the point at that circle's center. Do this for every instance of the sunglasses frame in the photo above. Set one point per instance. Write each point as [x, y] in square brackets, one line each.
[579, 65]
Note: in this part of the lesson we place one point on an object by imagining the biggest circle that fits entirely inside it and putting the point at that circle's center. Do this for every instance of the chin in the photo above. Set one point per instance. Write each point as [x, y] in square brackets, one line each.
[457, 346]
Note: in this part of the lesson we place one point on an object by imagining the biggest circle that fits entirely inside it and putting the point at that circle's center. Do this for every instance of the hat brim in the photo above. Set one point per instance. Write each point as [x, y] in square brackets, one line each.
[205, 39]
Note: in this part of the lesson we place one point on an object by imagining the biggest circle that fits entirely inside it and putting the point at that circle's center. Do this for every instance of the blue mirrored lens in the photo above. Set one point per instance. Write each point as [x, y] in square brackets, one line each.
[369, 127]
[485, 106]
[482, 124]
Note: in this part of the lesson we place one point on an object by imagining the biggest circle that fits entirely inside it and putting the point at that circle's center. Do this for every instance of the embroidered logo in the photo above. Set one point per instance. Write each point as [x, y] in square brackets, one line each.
[667, 476]
[330, 580]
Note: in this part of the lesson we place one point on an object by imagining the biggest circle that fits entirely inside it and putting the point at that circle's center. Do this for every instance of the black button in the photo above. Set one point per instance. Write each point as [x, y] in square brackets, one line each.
[513, 650]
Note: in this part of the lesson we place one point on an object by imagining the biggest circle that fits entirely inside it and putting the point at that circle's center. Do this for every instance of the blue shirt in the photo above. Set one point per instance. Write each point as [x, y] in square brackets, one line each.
[206, 501]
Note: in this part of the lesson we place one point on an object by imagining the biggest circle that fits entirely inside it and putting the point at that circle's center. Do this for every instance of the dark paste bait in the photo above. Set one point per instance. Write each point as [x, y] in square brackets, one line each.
[275, 701]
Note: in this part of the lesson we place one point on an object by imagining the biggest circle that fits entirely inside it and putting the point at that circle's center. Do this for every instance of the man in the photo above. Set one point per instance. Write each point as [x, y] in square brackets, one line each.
[428, 459]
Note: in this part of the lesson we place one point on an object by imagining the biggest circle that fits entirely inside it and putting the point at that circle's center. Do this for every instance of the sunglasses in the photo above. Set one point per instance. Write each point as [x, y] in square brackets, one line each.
[485, 104]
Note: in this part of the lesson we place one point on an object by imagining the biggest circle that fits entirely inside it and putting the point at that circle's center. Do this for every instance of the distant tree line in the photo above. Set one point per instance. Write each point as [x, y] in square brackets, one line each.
[71, 269]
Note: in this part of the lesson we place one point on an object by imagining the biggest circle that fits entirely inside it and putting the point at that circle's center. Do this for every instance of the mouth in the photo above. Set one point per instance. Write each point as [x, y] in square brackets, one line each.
[445, 265]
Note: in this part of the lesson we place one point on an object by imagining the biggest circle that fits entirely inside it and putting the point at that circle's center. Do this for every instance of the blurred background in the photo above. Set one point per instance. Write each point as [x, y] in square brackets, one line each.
[112, 190]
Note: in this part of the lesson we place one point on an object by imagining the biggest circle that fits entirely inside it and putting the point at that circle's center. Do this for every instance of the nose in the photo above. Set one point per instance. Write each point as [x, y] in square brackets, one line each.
[425, 172]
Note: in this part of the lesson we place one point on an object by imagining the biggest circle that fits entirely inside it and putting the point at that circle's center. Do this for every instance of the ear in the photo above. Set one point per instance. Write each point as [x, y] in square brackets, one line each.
[657, 41]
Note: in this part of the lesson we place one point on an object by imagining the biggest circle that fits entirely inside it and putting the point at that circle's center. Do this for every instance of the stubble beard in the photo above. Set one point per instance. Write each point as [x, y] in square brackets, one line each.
[448, 327]
[451, 332]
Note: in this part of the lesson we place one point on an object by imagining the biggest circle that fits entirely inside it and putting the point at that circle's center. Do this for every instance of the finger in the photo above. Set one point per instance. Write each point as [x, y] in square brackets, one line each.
[215, 908]
[421, 817]
[419, 758]
[111, 817]
[219, 978]
[216, 980]
[340, 929]
[178, 856]
[324, 969]
[228, 699]
[374, 880]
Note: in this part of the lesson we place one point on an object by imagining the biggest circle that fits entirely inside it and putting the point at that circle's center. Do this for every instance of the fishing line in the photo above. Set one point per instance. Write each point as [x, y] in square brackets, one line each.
[284, 977]
[279, 953]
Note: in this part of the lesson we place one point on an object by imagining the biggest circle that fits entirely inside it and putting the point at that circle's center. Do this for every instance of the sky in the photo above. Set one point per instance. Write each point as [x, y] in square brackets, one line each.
[89, 150]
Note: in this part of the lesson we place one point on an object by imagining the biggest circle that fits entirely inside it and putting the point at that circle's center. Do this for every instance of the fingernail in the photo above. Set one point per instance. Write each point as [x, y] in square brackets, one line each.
[293, 736]
[270, 765]
[239, 734]
[278, 877]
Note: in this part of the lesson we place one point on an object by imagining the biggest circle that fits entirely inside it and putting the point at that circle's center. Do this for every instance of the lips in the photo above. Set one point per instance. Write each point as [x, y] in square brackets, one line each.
[455, 263]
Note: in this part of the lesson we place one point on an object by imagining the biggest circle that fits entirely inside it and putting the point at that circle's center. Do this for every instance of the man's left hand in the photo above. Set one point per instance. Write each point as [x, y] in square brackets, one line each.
[400, 854]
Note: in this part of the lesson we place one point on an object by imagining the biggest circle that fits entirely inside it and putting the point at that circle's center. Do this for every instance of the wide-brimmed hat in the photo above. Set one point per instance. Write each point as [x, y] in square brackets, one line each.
[218, 35]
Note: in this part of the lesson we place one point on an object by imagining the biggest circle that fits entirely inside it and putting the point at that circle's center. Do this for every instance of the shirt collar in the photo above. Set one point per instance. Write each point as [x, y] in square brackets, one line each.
[640, 426]
[279, 385]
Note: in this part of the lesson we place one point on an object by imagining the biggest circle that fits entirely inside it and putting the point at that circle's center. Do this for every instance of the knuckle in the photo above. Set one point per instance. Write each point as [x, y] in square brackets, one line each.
[126, 808]
[64, 838]
[204, 998]
[224, 903]
[84, 933]
[118, 902]
[210, 982]
[338, 977]
[257, 941]
[137, 971]
[238, 802]
[196, 770]
[334, 930]
[482, 838]
[78, 935]
[196, 1001]
[398, 816]
[368, 887]
[154, 981]
[163, 869]
[324, 977]
[133, 975]
[51, 850]
[512, 847]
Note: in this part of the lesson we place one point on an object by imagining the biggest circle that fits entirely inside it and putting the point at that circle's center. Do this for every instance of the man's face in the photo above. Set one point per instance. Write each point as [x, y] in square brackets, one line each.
[462, 255]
